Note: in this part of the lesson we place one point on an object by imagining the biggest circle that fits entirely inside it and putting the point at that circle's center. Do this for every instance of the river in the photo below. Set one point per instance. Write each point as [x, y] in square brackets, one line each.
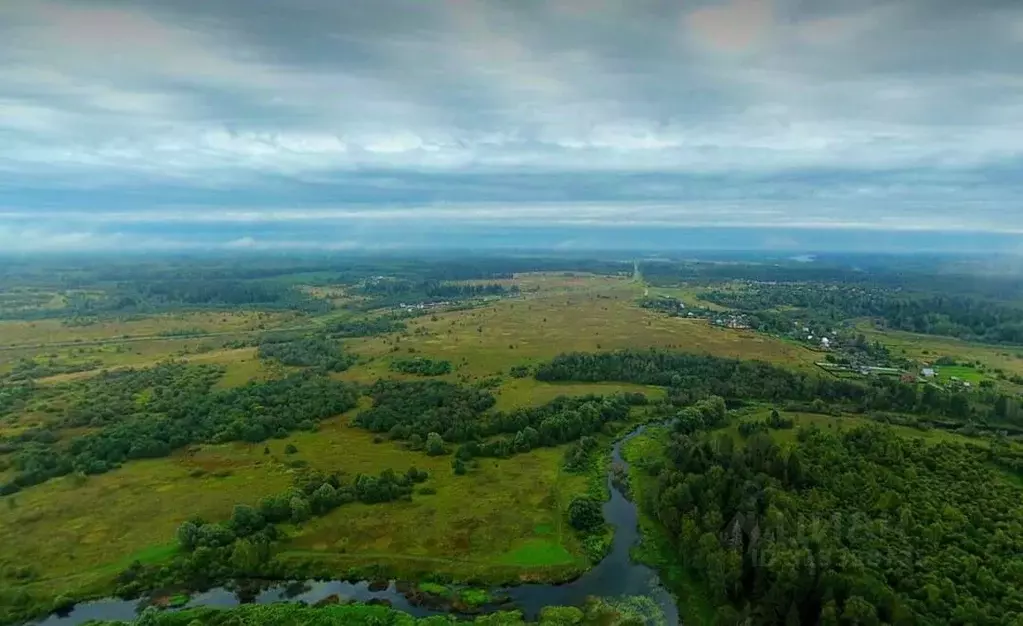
[615, 576]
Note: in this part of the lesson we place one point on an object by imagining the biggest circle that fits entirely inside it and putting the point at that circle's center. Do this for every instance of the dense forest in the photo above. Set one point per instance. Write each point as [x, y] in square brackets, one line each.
[918, 273]
[380, 325]
[421, 366]
[862, 527]
[692, 377]
[148, 413]
[958, 316]
[318, 352]
[174, 295]
[430, 414]
[107, 287]
[394, 291]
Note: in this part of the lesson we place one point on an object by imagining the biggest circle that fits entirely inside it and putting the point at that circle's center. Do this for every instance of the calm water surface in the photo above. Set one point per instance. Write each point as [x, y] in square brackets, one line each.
[616, 575]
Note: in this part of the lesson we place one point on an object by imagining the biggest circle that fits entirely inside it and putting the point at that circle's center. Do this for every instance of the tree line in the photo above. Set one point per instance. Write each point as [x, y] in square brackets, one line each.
[389, 291]
[419, 412]
[691, 377]
[150, 413]
[631, 611]
[313, 351]
[965, 317]
[369, 327]
[421, 366]
[863, 527]
[242, 547]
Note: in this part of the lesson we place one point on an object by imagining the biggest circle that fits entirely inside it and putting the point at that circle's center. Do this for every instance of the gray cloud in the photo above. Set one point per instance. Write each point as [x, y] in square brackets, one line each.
[894, 114]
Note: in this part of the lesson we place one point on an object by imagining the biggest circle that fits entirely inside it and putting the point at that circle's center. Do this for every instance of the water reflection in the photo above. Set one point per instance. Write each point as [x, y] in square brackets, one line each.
[616, 575]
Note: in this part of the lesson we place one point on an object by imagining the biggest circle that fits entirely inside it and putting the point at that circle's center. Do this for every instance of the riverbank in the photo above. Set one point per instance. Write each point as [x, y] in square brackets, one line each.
[614, 576]
[602, 612]
[654, 548]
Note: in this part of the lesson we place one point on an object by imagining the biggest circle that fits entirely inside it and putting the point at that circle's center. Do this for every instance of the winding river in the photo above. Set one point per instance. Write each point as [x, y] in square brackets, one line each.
[616, 575]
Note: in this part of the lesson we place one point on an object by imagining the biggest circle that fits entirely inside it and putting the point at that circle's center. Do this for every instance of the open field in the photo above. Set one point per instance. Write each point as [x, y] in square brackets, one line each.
[506, 518]
[946, 373]
[30, 299]
[927, 348]
[77, 533]
[688, 295]
[844, 422]
[505, 514]
[241, 363]
[566, 313]
[530, 392]
[524, 331]
[51, 331]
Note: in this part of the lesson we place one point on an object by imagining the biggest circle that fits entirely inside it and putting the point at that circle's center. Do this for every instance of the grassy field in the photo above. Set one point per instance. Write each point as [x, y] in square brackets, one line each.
[845, 422]
[690, 296]
[505, 519]
[529, 392]
[598, 314]
[51, 331]
[505, 514]
[241, 364]
[77, 533]
[927, 348]
[966, 373]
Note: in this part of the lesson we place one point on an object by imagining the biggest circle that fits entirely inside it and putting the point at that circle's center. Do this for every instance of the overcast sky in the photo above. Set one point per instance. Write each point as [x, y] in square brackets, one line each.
[380, 123]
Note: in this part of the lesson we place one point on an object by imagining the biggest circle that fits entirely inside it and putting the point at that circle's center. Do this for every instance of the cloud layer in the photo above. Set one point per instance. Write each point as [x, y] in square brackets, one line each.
[890, 115]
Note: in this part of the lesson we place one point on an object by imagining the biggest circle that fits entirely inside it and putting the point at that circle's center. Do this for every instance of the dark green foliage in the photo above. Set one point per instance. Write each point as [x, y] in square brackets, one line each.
[420, 407]
[421, 366]
[211, 292]
[577, 457]
[698, 375]
[411, 411]
[586, 515]
[28, 369]
[707, 413]
[692, 377]
[594, 613]
[519, 371]
[13, 396]
[243, 546]
[561, 420]
[750, 428]
[137, 295]
[458, 466]
[290, 449]
[366, 327]
[392, 291]
[181, 409]
[961, 316]
[862, 528]
[246, 520]
[775, 420]
[307, 352]
[434, 444]
[111, 396]
[118, 286]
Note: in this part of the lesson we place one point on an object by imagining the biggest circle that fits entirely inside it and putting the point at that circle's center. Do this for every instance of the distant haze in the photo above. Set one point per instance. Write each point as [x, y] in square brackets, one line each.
[854, 125]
